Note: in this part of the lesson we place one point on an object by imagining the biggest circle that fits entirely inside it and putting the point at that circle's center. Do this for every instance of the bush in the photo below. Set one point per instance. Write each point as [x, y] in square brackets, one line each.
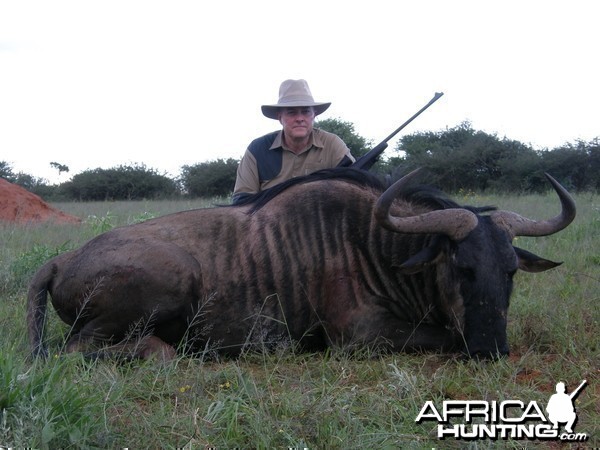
[210, 179]
[119, 183]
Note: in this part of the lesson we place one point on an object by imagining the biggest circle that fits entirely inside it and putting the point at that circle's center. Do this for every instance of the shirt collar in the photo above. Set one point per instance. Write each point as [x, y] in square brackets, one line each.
[315, 140]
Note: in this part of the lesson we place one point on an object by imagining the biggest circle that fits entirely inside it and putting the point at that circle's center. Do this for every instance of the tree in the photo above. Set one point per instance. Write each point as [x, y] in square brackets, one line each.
[357, 144]
[594, 157]
[210, 179]
[462, 158]
[60, 167]
[6, 171]
[38, 186]
[576, 166]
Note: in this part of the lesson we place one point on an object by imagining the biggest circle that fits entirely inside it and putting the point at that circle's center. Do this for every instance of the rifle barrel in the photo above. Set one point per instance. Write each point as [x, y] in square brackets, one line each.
[414, 116]
[576, 391]
[366, 161]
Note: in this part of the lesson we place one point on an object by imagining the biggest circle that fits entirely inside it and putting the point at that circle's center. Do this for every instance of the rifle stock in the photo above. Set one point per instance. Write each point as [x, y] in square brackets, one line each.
[366, 161]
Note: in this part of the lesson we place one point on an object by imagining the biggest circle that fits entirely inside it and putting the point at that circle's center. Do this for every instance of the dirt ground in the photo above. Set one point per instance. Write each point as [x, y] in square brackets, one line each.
[21, 206]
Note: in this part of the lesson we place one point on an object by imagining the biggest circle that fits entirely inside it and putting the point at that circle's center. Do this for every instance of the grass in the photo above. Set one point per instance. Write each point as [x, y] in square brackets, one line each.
[286, 399]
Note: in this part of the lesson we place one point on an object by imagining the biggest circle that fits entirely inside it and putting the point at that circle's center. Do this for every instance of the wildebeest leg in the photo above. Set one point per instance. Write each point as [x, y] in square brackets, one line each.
[148, 293]
[146, 347]
[89, 342]
[145, 337]
[367, 321]
[389, 331]
[422, 337]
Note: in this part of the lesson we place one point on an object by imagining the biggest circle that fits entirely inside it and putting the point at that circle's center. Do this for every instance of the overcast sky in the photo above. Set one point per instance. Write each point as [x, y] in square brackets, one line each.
[167, 83]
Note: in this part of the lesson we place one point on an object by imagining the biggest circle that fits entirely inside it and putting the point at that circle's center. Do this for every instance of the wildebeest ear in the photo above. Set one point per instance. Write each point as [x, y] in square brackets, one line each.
[417, 262]
[533, 263]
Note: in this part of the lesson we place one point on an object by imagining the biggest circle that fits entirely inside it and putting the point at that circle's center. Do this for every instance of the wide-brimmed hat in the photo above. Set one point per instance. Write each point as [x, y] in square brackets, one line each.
[294, 93]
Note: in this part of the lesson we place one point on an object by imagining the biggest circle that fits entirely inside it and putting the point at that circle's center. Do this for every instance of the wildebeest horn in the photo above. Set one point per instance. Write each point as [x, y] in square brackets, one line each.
[517, 225]
[455, 223]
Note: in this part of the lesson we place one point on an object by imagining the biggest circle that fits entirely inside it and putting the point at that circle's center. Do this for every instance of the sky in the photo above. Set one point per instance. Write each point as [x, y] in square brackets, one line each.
[91, 84]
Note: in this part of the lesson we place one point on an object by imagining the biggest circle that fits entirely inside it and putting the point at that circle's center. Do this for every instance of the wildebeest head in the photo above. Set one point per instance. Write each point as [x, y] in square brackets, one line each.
[476, 259]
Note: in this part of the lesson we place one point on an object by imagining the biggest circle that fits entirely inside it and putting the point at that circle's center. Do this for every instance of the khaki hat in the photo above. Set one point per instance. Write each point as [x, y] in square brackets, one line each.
[294, 93]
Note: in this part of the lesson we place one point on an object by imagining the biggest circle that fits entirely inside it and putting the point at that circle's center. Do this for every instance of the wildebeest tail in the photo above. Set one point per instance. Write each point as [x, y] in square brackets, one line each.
[37, 299]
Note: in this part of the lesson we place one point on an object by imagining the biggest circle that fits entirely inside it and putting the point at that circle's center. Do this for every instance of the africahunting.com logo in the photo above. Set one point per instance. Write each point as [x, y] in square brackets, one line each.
[508, 419]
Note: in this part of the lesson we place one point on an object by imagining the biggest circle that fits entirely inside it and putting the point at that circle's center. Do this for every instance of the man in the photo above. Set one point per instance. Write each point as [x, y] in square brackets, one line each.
[297, 149]
[560, 408]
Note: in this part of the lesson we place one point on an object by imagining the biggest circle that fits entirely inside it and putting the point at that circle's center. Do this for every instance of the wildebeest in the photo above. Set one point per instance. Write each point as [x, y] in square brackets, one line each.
[333, 259]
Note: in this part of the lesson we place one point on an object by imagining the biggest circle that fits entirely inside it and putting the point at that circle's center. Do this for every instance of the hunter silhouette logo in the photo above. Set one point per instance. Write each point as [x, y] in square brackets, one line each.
[514, 419]
[560, 406]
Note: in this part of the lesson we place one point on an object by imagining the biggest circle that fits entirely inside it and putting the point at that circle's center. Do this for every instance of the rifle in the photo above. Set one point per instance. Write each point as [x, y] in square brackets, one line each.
[366, 161]
[574, 394]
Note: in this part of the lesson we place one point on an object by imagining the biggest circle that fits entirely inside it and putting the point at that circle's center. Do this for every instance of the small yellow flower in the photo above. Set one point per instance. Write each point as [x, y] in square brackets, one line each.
[225, 385]
[185, 388]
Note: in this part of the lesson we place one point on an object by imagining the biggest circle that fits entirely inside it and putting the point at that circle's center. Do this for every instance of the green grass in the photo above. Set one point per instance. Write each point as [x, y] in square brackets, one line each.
[287, 399]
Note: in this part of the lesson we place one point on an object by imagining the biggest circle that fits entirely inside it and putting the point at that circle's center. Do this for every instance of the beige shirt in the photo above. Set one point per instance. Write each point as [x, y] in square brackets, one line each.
[262, 168]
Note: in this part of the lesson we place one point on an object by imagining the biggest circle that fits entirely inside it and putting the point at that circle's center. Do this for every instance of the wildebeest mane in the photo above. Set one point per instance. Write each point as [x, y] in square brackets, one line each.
[349, 175]
[425, 195]
[432, 198]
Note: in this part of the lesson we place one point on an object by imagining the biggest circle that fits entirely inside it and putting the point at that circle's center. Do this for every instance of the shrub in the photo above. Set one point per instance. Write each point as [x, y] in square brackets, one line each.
[120, 183]
[210, 179]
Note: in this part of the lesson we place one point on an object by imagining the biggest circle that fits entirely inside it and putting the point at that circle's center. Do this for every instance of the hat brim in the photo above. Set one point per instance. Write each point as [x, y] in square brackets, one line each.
[271, 111]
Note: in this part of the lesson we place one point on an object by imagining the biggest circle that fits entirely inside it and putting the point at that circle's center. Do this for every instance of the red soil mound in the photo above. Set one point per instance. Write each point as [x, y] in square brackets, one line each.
[21, 206]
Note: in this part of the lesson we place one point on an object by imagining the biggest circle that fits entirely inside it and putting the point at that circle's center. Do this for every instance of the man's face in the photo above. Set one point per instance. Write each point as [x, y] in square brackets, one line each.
[297, 122]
